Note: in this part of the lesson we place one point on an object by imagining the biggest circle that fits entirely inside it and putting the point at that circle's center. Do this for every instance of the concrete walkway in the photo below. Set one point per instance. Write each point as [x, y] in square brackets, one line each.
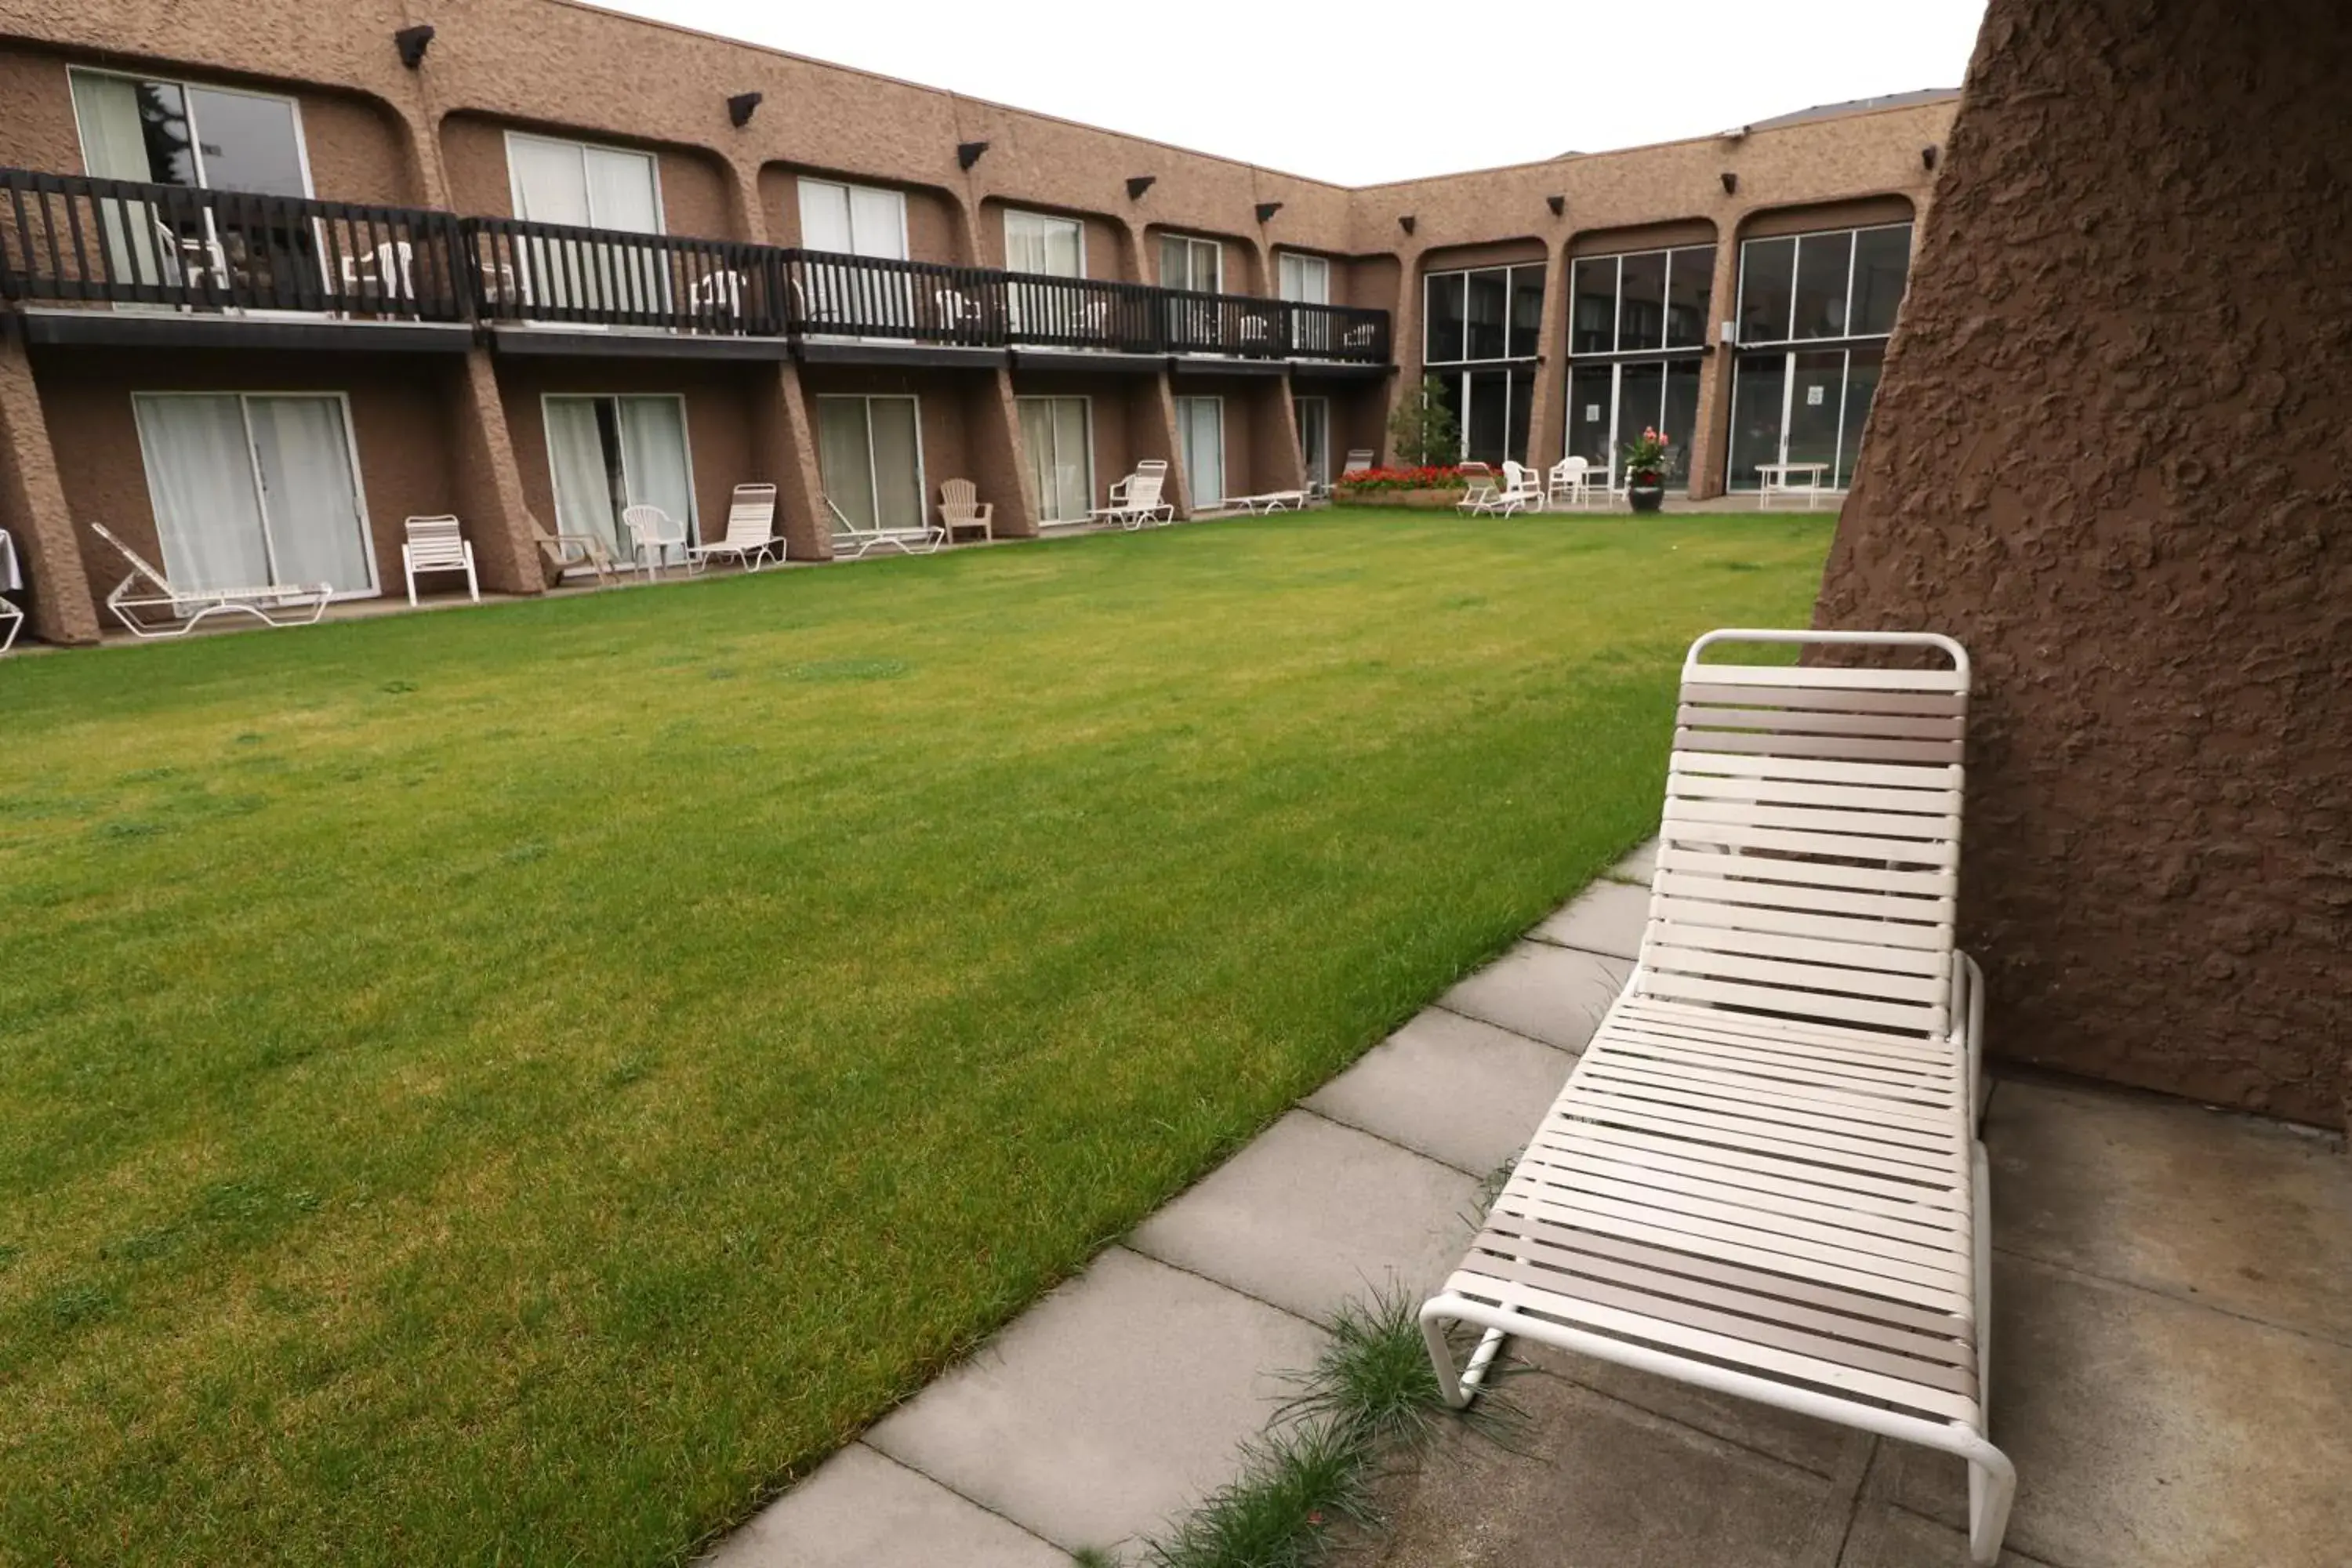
[2173, 1291]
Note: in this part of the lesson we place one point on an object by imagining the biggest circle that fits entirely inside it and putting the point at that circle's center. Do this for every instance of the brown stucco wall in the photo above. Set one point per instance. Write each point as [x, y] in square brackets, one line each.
[2111, 456]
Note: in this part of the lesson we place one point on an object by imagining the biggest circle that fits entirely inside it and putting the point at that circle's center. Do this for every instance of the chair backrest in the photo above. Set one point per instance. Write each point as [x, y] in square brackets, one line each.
[1358, 459]
[1807, 863]
[1143, 490]
[1568, 469]
[1478, 476]
[959, 498]
[1516, 478]
[137, 562]
[1152, 465]
[751, 515]
[649, 525]
[435, 542]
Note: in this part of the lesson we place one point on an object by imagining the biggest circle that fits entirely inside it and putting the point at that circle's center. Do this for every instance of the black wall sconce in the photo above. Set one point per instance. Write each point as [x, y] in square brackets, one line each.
[739, 108]
[1138, 184]
[411, 42]
[1267, 209]
[1559, 205]
[1730, 183]
[968, 154]
[1926, 157]
[1406, 223]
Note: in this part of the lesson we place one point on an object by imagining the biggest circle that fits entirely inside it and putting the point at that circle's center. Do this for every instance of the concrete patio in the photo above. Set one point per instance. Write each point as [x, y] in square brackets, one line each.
[2173, 1344]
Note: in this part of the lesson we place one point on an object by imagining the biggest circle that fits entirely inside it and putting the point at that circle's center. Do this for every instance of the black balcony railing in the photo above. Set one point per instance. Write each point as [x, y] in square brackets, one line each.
[604, 278]
[69, 239]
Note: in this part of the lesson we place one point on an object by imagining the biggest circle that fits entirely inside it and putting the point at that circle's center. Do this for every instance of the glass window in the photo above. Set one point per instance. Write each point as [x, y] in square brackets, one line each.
[1816, 396]
[1049, 247]
[1527, 311]
[1591, 394]
[1860, 386]
[1305, 279]
[1767, 270]
[1188, 263]
[1489, 303]
[1680, 423]
[1592, 329]
[1882, 262]
[1824, 267]
[1449, 397]
[1443, 317]
[249, 143]
[869, 455]
[1640, 395]
[1487, 438]
[1757, 386]
[1689, 287]
[1642, 301]
[174, 134]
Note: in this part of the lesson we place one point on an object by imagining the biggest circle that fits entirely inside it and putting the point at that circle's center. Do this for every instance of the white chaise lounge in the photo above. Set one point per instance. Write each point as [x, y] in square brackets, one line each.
[751, 540]
[850, 543]
[1763, 1176]
[286, 605]
[1135, 499]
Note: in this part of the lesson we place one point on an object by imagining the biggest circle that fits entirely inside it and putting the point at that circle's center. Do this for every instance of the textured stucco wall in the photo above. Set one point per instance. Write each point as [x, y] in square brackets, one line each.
[2113, 454]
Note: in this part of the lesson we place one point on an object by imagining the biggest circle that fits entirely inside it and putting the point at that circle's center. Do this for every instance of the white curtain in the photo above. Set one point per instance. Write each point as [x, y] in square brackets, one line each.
[106, 110]
[653, 463]
[583, 483]
[898, 462]
[623, 194]
[1305, 279]
[200, 480]
[1036, 243]
[845, 460]
[1314, 418]
[824, 218]
[1202, 424]
[1059, 469]
[317, 531]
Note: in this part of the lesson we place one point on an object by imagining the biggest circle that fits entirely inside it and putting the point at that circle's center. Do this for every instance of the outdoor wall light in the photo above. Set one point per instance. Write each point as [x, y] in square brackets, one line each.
[411, 42]
[1926, 157]
[1406, 223]
[1267, 209]
[1138, 184]
[1730, 183]
[1559, 205]
[968, 154]
[739, 108]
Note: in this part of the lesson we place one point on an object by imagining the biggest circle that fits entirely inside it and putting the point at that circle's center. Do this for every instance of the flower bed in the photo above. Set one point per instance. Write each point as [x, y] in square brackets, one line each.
[1433, 487]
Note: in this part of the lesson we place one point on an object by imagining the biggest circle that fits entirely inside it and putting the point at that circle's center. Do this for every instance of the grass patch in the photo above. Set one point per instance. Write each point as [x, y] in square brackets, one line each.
[476, 1087]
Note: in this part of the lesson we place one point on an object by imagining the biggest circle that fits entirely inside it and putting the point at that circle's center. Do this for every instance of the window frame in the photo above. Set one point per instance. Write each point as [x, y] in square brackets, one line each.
[1304, 258]
[652, 162]
[1004, 232]
[866, 400]
[1080, 397]
[1616, 348]
[1854, 234]
[195, 142]
[1192, 243]
[1510, 270]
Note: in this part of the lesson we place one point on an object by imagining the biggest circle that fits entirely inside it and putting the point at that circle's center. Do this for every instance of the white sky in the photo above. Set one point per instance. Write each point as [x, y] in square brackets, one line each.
[1364, 93]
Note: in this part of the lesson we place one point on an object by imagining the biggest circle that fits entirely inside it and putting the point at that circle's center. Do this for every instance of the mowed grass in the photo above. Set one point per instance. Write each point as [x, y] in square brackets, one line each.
[515, 1086]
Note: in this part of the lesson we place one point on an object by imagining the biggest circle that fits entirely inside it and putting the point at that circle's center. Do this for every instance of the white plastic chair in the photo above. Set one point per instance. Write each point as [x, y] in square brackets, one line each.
[1522, 490]
[751, 538]
[286, 604]
[652, 531]
[960, 507]
[1570, 483]
[437, 544]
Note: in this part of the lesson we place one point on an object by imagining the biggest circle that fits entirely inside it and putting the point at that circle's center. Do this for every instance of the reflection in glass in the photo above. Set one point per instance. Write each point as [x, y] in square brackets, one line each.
[1815, 402]
[1523, 394]
[1688, 286]
[1487, 435]
[1589, 420]
[1823, 262]
[1444, 333]
[1767, 270]
[1490, 300]
[1642, 301]
[1593, 329]
[1680, 423]
[1860, 386]
[1757, 385]
[1641, 391]
[1882, 260]
[1527, 311]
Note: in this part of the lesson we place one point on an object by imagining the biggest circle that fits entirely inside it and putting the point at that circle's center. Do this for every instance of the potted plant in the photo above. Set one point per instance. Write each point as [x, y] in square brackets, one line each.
[1646, 470]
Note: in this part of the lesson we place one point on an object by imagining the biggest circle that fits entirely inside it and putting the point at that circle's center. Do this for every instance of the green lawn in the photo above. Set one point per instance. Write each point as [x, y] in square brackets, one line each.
[516, 1084]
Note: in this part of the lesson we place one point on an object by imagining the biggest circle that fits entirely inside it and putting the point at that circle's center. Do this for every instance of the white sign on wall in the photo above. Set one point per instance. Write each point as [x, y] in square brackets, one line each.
[1813, 396]
[1593, 414]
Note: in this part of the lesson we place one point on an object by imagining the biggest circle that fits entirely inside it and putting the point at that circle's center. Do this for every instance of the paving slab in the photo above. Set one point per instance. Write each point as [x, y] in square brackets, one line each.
[1313, 1214]
[1546, 993]
[1607, 918]
[1821, 1446]
[2151, 1432]
[1111, 1407]
[1587, 1482]
[1884, 1537]
[1455, 1089]
[2233, 1211]
[1641, 865]
[863, 1510]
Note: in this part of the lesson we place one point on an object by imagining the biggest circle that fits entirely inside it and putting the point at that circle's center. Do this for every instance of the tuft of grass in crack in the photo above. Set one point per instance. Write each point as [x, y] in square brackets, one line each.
[1370, 1400]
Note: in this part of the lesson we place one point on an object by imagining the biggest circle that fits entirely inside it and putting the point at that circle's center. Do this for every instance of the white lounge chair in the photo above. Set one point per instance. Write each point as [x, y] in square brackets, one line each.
[1482, 496]
[1522, 490]
[1762, 1177]
[1135, 499]
[652, 532]
[1359, 460]
[1570, 483]
[960, 507]
[1271, 502]
[851, 541]
[286, 605]
[751, 538]
[437, 544]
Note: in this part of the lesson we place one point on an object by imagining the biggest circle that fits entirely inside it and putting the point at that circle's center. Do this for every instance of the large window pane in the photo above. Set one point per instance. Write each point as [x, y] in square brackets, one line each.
[1449, 397]
[1689, 294]
[1681, 423]
[1881, 260]
[1590, 397]
[1767, 268]
[309, 496]
[1758, 383]
[1490, 416]
[844, 460]
[898, 462]
[1641, 392]
[200, 482]
[1642, 301]
[1815, 400]
[1523, 397]
[1444, 314]
[1592, 327]
[1823, 262]
[1489, 301]
[1860, 386]
[1527, 311]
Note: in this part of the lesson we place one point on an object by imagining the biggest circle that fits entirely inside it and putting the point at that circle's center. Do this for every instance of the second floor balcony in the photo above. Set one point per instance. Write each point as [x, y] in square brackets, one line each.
[170, 254]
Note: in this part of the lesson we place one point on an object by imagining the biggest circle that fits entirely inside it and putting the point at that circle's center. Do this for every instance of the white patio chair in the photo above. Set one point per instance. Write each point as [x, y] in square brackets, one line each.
[652, 533]
[1359, 460]
[1481, 497]
[11, 580]
[436, 544]
[718, 295]
[960, 507]
[752, 539]
[1570, 483]
[286, 604]
[850, 542]
[12, 621]
[1522, 490]
[1762, 1177]
[1134, 501]
[1271, 501]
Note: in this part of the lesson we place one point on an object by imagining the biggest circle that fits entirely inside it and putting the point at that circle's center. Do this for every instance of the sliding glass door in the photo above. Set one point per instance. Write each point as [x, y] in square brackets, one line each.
[870, 453]
[583, 187]
[1057, 451]
[1815, 312]
[607, 454]
[1201, 423]
[1314, 418]
[1611, 403]
[255, 490]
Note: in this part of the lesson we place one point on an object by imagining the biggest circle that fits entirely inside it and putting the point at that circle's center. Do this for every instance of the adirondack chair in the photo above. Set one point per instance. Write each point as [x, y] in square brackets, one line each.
[960, 507]
[565, 550]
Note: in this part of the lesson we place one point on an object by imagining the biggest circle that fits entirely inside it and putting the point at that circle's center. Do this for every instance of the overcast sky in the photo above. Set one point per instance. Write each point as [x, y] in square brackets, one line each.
[1362, 93]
